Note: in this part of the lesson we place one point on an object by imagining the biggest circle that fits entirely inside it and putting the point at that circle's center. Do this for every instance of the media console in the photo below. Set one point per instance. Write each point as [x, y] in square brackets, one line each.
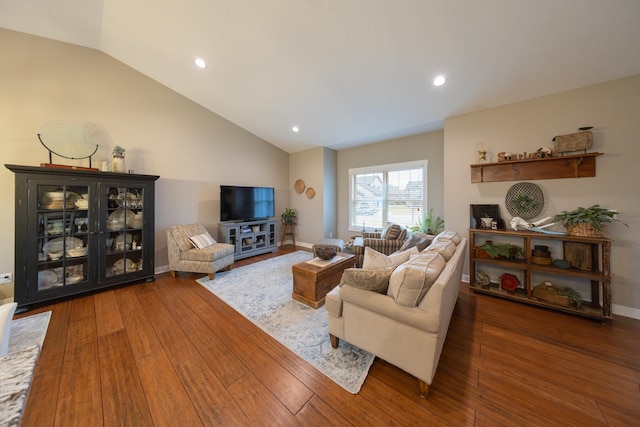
[250, 237]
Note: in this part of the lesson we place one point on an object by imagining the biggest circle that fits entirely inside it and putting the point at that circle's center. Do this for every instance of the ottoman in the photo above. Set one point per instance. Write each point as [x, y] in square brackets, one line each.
[338, 244]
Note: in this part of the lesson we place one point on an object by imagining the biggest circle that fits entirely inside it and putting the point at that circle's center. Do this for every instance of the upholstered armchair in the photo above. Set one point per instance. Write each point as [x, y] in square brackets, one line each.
[192, 249]
[387, 242]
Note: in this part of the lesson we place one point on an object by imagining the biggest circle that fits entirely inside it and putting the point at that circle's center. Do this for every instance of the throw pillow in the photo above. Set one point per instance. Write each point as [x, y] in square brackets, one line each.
[369, 280]
[202, 241]
[374, 260]
[410, 282]
[392, 231]
[417, 240]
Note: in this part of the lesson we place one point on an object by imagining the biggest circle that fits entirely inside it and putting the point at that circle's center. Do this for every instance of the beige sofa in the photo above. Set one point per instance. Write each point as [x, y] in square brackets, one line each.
[184, 256]
[405, 320]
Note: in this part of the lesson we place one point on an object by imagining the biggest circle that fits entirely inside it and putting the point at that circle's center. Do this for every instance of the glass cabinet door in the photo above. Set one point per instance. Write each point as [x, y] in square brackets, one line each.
[124, 230]
[64, 236]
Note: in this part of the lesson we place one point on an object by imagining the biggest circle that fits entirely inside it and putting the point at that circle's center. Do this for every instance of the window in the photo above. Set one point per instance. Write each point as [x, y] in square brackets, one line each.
[387, 193]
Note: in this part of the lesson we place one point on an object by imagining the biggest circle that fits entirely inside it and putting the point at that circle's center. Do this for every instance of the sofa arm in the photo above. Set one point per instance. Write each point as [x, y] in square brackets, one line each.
[386, 306]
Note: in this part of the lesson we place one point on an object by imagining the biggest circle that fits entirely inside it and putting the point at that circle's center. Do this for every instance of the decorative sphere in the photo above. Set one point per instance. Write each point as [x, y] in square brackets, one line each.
[326, 252]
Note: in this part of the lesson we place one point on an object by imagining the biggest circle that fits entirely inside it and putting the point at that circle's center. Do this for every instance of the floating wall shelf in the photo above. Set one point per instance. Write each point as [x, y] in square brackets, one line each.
[574, 166]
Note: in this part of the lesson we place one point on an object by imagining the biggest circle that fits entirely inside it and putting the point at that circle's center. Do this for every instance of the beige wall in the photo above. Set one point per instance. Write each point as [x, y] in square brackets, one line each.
[417, 147]
[613, 108]
[192, 149]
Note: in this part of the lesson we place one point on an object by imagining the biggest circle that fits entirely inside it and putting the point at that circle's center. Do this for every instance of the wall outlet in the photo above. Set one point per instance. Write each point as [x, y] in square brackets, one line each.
[330, 235]
[6, 278]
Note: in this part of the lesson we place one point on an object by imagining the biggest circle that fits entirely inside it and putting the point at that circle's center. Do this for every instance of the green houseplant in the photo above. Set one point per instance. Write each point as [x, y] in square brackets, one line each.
[288, 216]
[504, 250]
[428, 224]
[586, 222]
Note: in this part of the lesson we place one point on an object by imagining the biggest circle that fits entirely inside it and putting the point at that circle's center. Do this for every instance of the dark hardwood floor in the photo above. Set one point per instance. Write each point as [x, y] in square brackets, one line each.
[170, 353]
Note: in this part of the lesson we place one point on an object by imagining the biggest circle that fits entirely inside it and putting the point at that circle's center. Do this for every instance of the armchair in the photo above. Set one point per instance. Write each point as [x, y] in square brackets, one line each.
[386, 242]
[185, 256]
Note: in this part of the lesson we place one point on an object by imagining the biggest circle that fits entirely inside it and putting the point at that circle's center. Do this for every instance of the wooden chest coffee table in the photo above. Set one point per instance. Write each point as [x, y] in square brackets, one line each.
[312, 280]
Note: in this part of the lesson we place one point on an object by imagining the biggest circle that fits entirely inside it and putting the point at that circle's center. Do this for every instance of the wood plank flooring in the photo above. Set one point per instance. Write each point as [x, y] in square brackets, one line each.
[170, 353]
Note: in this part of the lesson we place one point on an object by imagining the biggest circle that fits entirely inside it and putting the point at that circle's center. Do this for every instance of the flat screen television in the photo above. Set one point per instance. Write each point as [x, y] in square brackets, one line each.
[246, 203]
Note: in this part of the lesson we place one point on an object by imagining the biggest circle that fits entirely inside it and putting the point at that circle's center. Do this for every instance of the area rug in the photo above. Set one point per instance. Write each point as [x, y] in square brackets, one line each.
[262, 293]
[17, 366]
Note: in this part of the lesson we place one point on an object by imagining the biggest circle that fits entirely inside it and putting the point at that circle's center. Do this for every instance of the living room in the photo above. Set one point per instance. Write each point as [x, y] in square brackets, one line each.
[195, 150]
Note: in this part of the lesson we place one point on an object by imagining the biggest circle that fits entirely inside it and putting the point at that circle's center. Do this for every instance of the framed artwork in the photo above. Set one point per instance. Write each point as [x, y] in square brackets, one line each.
[579, 255]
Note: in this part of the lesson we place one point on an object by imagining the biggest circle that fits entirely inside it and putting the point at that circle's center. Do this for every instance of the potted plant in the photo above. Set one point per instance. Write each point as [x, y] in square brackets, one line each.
[429, 224]
[501, 250]
[586, 222]
[288, 216]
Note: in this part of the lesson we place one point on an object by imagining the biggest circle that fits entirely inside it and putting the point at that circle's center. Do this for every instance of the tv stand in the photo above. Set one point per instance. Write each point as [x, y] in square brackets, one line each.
[250, 238]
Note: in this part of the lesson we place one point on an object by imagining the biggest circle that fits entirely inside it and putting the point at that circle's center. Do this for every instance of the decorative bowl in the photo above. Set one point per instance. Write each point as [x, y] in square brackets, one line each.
[326, 252]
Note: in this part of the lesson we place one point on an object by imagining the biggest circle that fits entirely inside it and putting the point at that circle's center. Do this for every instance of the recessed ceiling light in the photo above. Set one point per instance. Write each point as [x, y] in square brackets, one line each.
[200, 63]
[439, 81]
[295, 129]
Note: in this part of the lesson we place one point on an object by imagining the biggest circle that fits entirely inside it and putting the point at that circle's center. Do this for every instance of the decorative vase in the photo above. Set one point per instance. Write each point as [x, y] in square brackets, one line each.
[117, 164]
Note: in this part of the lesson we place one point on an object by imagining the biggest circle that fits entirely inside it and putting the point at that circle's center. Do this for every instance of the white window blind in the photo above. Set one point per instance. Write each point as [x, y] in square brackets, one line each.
[387, 193]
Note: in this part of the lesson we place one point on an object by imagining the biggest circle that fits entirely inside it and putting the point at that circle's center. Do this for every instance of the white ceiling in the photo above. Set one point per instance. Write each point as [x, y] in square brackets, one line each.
[349, 72]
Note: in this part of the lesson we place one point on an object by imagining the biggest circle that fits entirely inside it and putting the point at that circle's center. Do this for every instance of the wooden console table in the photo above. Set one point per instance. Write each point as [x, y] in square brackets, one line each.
[597, 271]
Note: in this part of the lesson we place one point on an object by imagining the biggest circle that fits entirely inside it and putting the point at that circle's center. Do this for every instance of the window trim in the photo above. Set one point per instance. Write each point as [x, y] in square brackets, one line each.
[391, 167]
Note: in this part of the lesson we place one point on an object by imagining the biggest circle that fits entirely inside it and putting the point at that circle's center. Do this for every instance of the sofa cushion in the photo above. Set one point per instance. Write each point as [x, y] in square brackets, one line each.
[448, 235]
[374, 260]
[444, 247]
[410, 281]
[370, 280]
[202, 241]
[208, 254]
[394, 232]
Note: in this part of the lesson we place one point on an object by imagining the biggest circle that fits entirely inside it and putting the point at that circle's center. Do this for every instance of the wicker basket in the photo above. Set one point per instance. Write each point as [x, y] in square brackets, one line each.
[584, 230]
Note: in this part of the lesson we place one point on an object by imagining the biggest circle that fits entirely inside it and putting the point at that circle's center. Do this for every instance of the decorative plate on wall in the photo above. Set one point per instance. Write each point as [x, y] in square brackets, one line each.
[299, 186]
[524, 200]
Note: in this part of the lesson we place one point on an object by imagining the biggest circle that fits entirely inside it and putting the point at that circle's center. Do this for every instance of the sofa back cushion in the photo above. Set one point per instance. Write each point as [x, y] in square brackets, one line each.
[446, 248]
[410, 281]
[448, 235]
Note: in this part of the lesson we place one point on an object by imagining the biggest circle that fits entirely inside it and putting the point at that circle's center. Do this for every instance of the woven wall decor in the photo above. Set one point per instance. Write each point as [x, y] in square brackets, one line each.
[311, 193]
[299, 186]
[524, 200]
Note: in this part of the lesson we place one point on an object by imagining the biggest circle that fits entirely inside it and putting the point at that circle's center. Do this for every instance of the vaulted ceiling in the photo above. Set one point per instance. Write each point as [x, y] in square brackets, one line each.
[349, 72]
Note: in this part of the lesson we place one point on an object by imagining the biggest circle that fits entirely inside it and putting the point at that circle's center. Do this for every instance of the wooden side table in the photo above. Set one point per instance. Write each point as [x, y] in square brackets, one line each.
[288, 229]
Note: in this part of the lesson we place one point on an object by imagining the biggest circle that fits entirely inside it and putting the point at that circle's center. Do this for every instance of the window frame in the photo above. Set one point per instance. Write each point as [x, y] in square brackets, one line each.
[384, 170]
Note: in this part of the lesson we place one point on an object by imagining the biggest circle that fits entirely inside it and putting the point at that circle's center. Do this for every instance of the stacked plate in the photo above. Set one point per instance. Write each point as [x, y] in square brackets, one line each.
[76, 252]
[117, 219]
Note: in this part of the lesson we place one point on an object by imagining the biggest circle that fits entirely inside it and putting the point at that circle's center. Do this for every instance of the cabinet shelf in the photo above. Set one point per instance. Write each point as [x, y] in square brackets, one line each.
[41, 232]
[246, 241]
[574, 166]
[599, 275]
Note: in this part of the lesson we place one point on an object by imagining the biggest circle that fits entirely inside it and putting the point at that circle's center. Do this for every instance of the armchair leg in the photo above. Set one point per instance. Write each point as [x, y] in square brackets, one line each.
[334, 340]
[173, 273]
[424, 389]
[212, 276]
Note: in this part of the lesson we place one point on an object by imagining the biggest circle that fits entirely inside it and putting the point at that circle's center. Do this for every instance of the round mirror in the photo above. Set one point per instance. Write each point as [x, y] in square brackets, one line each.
[70, 140]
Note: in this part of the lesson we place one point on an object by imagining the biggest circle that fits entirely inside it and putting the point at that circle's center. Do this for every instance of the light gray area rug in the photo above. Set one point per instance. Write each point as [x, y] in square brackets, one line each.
[262, 293]
[17, 367]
